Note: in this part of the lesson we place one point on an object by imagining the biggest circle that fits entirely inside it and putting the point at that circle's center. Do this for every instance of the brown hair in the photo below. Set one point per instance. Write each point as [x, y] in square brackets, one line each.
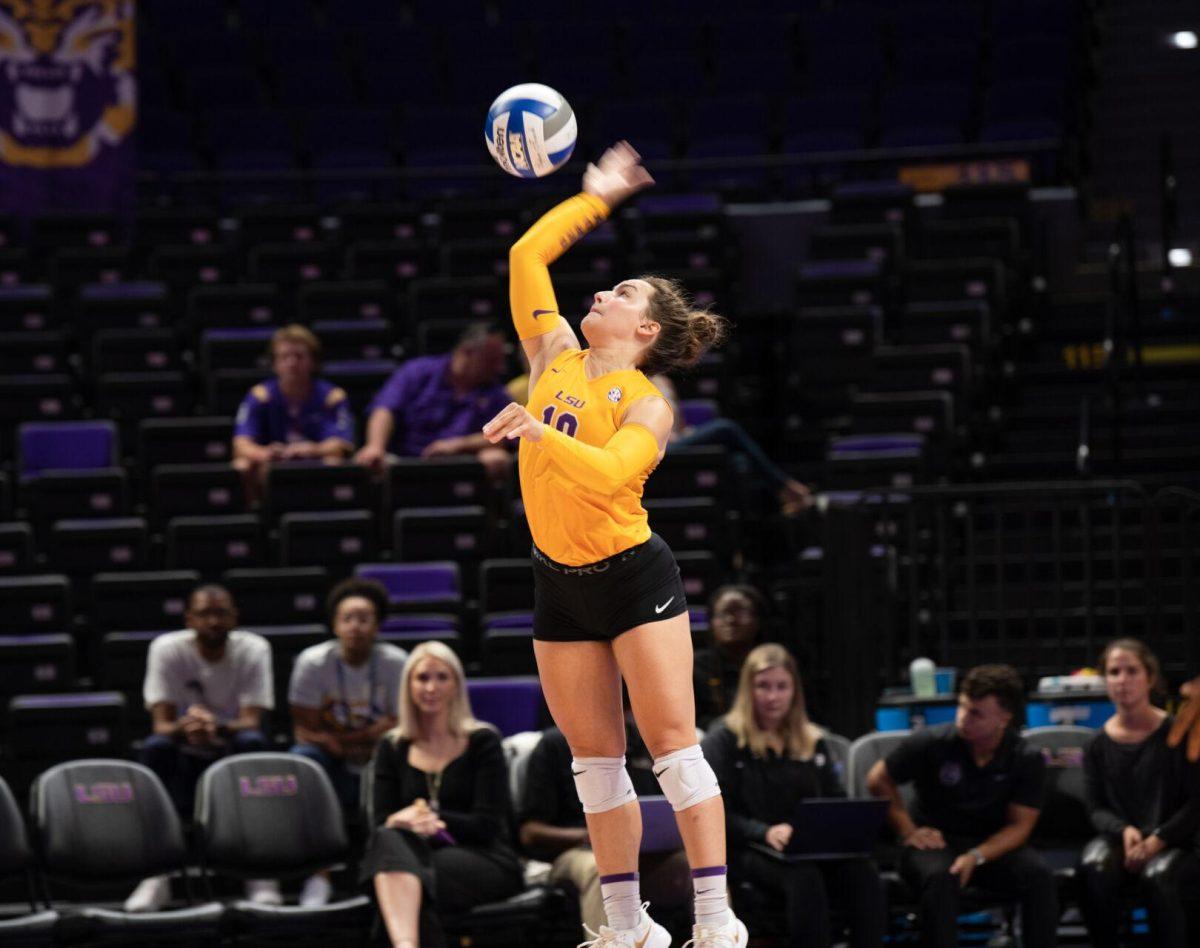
[1141, 651]
[686, 333]
[1001, 681]
[301, 335]
[799, 734]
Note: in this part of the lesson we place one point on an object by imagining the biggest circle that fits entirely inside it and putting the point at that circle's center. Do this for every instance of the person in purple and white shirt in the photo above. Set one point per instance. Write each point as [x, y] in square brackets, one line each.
[294, 416]
[434, 406]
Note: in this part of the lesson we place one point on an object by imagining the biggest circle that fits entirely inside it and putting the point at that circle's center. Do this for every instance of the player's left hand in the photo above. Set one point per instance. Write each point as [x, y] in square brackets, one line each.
[513, 421]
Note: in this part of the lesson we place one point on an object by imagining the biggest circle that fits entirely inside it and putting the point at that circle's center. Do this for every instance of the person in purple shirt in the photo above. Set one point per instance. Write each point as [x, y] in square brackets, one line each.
[293, 416]
[436, 405]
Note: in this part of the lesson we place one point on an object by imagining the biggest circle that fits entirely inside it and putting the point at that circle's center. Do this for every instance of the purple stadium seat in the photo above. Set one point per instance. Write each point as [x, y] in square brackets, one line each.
[699, 411]
[512, 619]
[410, 585]
[137, 304]
[510, 704]
[410, 639]
[34, 663]
[660, 831]
[66, 445]
[420, 622]
[35, 603]
[30, 307]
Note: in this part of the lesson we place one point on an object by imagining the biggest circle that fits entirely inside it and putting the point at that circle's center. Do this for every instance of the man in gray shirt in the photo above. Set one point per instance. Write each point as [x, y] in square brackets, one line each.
[344, 696]
[206, 688]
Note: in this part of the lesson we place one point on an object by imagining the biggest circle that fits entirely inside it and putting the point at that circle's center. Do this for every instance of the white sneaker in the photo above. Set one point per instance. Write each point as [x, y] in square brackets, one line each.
[648, 934]
[730, 935]
[316, 891]
[150, 895]
[263, 891]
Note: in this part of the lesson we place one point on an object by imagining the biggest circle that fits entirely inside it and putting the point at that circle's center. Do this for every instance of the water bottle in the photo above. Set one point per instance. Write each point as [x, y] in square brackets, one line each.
[921, 672]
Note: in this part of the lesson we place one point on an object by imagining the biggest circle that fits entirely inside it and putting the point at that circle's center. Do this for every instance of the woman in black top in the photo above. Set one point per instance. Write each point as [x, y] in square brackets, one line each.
[1145, 800]
[768, 756]
[737, 615]
[440, 805]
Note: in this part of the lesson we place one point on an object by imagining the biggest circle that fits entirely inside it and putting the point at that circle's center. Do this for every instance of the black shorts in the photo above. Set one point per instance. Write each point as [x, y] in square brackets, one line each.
[599, 601]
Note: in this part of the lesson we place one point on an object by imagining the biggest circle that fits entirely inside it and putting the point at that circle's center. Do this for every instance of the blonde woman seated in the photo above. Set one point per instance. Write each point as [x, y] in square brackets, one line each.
[441, 804]
[768, 757]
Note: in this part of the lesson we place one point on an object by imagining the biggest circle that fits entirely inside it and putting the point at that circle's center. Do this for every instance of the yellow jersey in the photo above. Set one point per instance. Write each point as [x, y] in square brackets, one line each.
[570, 523]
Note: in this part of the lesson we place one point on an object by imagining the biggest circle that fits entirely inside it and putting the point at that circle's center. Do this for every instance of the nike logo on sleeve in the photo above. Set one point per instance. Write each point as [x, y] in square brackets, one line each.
[543, 312]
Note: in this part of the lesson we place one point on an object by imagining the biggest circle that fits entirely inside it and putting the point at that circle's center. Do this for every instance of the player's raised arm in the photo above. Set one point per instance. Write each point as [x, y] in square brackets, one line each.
[543, 332]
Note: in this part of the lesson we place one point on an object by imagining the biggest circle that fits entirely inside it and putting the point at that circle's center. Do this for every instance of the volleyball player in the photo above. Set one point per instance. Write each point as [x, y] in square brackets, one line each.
[609, 603]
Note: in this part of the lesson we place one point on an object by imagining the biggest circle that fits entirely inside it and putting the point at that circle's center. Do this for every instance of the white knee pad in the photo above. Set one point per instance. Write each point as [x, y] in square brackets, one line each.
[602, 783]
[686, 778]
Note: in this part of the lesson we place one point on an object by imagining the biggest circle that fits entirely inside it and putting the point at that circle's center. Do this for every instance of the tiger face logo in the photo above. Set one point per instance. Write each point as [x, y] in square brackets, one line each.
[614, 395]
[70, 87]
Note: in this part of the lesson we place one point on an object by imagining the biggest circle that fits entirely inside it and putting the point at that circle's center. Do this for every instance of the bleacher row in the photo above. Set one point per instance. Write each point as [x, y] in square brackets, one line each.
[266, 87]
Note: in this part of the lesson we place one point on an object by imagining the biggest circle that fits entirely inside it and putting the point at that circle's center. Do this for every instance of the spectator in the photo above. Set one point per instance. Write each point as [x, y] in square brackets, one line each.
[979, 789]
[343, 695]
[1145, 802]
[437, 405]
[551, 826]
[441, 805]
[293, 416]
[736, 615]
[793, 496]
[768, 757]
[206, 689]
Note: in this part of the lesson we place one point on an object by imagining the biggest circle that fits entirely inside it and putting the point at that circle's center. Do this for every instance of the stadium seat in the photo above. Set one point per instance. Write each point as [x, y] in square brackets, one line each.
[923, 368]
[287, 642]
[505, 585]
[135, 350]
[965, 322]
[418, 587]
[445, 298]
[33, 604]
[57, 495]
[876, 460]
[33, 663]
[411, 638]
[355, 338]
[184, 441]
[47, 729]
[841, 283]
[464, 534]
[30, 307]
[692, 472]
[232, 306]
[226, 388]
[691, 523]
[244, 348]
[33, 351]
[135, 304]
[209, 544]
[16, 548]
[182, 489]
[276, 815]
[129, 397]
[510, 704]
[123, 668]
[396, 261]
[183, 266]
[290, 595]
[139, 836]
[361, 378]
[90, 546]
[302, 486]
[436, 482]
[288, 264]
[68, 228]
[68, 445]
[880, 242]
[132, 602]
[699, 571]
[863, 755]
[336, 540]
[36, 928]
[507, 651]
[345, 300]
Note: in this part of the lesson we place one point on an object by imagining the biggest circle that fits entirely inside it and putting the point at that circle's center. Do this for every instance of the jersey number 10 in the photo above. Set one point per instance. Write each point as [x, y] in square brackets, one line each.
[567, 423]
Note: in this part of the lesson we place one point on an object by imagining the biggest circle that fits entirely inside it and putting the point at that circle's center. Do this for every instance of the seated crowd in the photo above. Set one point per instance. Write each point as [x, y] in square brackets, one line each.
[442, 842]
[432, 406]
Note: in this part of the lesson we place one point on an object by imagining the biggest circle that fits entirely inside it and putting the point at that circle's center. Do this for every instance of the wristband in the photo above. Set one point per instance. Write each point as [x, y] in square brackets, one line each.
[980, 858]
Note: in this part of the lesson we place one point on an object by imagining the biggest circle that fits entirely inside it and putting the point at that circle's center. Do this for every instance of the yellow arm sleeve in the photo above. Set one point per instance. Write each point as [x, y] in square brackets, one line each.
[534, 308]
[626, 454]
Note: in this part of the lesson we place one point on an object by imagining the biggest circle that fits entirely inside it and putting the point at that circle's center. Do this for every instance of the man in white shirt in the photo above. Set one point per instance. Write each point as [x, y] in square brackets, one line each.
[344, 696]
[206, 688]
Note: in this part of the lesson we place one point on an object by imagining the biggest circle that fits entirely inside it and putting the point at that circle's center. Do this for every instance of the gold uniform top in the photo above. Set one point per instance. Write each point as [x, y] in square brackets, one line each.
[571, 523]
[576, 518]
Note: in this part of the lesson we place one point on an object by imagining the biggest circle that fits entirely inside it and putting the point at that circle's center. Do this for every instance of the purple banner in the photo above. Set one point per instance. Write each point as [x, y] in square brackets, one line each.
[68, 105]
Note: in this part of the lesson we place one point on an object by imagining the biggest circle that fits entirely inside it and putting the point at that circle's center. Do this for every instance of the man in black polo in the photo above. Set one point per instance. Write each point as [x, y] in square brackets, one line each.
[979, 788]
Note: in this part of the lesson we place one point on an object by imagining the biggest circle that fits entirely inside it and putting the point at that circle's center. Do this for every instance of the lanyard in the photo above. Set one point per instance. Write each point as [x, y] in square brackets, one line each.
[344, 701]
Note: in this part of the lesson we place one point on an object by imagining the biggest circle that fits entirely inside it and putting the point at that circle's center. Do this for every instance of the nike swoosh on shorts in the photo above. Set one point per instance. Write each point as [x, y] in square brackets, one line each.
[658, 610]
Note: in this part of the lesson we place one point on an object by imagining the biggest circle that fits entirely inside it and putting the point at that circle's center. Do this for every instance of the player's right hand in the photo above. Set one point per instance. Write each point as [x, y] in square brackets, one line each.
[617, 175]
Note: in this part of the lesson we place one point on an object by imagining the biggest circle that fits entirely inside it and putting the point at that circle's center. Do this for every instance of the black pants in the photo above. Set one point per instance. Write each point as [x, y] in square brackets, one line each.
[1021, 875]
[1164, 884]
[453, 878]
[808, 889]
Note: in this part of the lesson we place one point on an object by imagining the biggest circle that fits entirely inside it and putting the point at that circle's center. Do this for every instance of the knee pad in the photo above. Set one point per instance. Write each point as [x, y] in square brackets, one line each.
[686, 778]
[602, 783]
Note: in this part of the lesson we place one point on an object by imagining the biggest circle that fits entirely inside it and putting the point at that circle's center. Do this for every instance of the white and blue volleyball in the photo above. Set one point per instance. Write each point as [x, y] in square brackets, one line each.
[530, 130]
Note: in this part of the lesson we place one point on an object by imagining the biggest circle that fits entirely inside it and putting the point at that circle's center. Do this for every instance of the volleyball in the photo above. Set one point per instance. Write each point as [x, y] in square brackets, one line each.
[530, 130]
